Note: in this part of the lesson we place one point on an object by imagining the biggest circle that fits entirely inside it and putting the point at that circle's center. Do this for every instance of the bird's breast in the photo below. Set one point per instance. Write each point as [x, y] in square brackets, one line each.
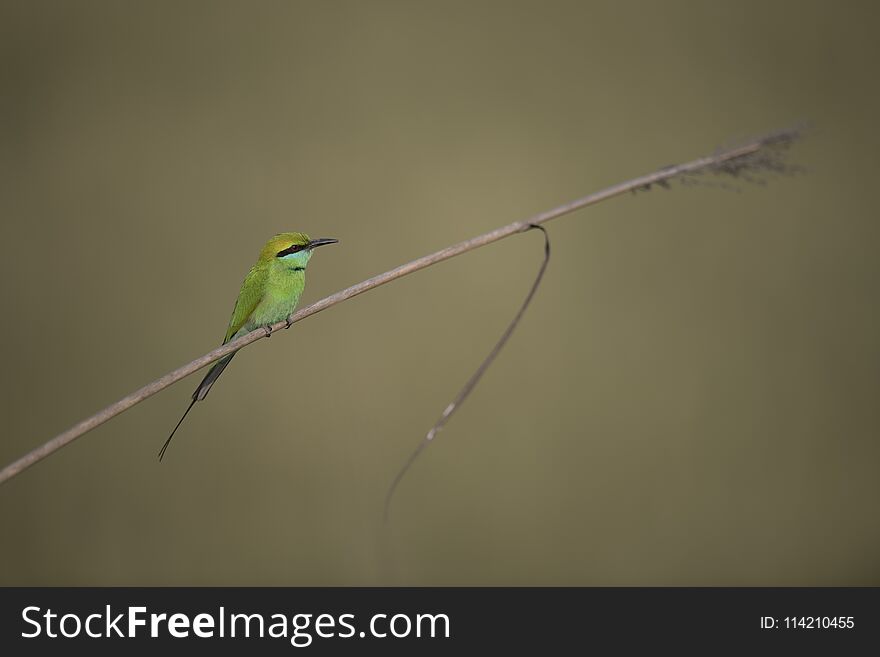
[282, 293]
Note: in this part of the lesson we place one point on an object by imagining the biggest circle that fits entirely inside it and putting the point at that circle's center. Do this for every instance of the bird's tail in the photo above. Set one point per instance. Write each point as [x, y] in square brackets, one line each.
[212, 375]
[200, 393]
[179, 422]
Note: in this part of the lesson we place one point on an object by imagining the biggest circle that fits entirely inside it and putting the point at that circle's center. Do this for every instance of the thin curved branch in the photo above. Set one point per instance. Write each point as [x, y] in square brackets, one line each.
[472, 382]
[755, 155]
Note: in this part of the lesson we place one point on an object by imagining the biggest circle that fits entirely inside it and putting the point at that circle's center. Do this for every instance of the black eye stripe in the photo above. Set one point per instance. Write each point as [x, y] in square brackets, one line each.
[294, 248]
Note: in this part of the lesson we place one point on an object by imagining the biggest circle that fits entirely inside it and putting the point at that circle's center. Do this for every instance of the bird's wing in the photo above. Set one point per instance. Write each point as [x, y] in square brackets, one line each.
[248, 299]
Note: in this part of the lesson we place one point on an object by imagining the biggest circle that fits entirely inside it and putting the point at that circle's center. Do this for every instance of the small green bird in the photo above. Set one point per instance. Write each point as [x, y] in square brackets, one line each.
[269, 294]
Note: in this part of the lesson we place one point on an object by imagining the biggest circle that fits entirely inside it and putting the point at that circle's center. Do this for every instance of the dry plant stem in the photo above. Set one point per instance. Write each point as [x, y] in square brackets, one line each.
[472, 382]
[727, 161]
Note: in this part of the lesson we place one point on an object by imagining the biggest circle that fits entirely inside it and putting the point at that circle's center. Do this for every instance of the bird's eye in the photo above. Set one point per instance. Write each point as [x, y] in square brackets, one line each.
[293, 248]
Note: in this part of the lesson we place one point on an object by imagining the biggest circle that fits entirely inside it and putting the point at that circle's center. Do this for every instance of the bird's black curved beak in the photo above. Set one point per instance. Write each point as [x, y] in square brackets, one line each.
[321, 242]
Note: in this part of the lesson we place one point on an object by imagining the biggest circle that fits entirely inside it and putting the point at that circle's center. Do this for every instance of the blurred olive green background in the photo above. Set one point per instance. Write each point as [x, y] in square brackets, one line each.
[692, 399]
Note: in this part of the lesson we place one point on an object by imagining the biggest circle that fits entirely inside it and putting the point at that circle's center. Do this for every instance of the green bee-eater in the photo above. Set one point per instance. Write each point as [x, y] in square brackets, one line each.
[269, 294]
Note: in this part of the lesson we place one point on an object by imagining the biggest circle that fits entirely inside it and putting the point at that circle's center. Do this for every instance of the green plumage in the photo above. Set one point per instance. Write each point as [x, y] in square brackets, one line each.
[268, 295]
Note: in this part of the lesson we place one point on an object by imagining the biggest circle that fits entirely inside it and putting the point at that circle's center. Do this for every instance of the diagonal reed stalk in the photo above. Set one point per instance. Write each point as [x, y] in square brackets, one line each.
[755, 156]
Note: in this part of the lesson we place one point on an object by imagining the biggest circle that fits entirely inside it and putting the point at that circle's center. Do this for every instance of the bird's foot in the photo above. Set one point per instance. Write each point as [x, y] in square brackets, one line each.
[268, 330]
[287, 322]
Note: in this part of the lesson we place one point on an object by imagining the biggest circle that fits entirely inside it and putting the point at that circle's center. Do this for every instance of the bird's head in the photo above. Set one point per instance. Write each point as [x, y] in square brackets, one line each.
[292, 249]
